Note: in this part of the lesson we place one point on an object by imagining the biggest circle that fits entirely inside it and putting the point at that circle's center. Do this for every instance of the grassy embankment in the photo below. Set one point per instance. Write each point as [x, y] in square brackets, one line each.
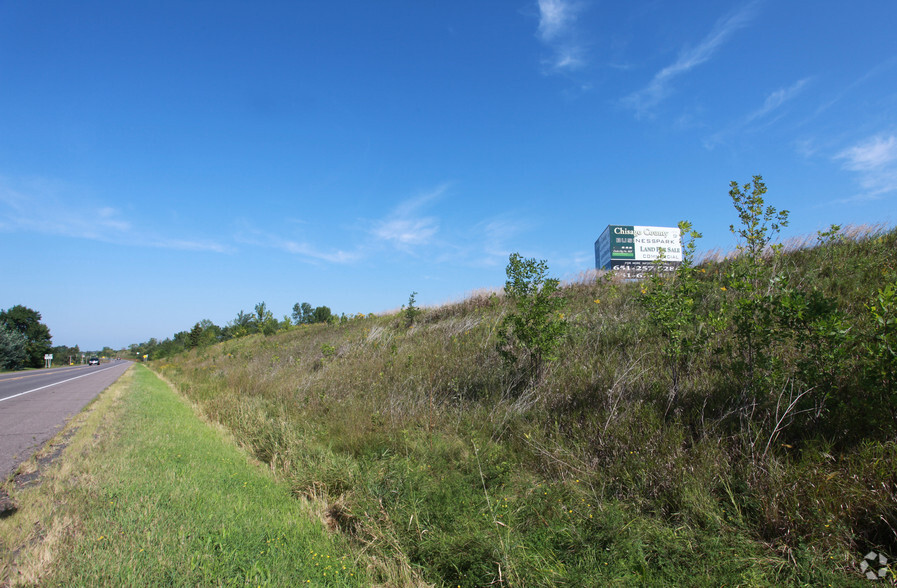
[146, 494]
[650, 452]
[752, 444]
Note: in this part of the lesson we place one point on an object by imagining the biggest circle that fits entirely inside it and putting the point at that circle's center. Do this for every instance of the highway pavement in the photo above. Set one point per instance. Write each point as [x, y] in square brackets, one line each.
[36, 405]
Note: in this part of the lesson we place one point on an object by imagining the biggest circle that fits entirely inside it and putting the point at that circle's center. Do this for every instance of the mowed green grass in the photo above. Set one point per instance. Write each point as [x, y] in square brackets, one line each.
[149, 495]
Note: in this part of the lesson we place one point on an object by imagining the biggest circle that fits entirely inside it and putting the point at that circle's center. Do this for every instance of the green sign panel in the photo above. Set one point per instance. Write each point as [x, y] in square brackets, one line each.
[622, 241]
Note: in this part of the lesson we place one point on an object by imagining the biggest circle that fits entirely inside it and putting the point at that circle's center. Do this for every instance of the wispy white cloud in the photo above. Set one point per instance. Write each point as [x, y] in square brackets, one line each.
[776, 99]
[36, 209]
[403, 232]
[876, 71]
[557, 31]
[178, 244]
[870, 155]
[875, 160]
[555, 17]
[250, 235]
[762, 116]
[306, 250]
[409, 229]
[485, 244]
[406, 226]
[660, 86]
[496, 236]
[405, 229]
[49, 208]
[806, 147]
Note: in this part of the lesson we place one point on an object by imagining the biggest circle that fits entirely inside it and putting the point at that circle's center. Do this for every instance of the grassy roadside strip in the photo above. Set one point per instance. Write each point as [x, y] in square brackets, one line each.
[148, 495]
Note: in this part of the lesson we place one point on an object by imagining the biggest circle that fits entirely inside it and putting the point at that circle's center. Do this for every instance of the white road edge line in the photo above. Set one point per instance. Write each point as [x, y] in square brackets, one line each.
[56, 384]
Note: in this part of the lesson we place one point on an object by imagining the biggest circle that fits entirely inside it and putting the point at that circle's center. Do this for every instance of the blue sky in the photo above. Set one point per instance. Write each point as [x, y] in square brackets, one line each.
[166, 162]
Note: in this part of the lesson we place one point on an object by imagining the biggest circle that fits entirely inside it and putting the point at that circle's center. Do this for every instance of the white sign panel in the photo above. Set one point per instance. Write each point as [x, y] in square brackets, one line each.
[650, 241]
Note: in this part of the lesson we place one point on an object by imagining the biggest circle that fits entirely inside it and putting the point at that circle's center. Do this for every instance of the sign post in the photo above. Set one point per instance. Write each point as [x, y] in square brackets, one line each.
[48, 359]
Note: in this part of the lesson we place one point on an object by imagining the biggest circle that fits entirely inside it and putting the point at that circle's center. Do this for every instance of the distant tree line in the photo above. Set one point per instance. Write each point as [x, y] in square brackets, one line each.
[260, 321]
[63, 354]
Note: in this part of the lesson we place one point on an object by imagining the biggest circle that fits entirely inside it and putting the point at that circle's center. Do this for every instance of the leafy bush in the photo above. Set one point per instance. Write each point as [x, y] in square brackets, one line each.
[12, 348]
[532, 332]
[881, 349]
[37, 335]
[411, 312]
[674, 307]
[754, 280]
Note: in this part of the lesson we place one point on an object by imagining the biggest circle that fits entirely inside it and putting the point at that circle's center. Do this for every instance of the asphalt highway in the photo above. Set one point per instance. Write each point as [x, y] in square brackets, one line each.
[36, 405]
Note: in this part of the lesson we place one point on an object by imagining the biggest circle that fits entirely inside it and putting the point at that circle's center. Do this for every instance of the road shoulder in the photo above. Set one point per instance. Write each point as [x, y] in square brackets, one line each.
[147, 494]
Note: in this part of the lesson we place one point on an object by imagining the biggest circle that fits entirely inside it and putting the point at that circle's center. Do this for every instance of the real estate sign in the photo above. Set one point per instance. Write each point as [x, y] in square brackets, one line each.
[634, 249]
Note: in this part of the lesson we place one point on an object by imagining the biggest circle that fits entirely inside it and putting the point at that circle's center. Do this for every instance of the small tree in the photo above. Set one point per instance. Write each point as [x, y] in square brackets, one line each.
[211, 333]
[411, 311]
[264, 319]
[881, 347]
[533, 331]
[672, 303]
[302, 313]
[754, 283]
[194, 337]
[322, 314]
[242, 325]
[759, 223]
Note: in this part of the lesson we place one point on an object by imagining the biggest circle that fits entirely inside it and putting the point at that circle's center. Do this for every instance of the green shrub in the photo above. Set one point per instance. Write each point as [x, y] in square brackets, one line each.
[754, 280]
[411, 312]
[674, 307]
[531, 333]
[881, 351]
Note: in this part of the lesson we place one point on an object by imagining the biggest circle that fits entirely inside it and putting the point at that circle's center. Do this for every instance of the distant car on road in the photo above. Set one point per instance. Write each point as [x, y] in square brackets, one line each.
[93, 361]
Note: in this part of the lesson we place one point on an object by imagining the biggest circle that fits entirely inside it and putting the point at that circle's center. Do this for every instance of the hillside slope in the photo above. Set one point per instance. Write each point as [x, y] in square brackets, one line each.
[733, 424]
